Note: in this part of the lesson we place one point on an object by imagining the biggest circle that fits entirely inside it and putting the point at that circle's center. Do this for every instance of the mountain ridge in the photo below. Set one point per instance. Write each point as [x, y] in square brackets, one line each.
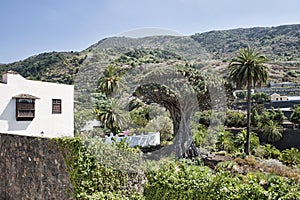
[281, 44]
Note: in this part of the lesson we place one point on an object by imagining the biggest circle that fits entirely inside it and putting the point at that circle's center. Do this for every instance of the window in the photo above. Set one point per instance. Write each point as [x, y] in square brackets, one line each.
[56, 106]
[25, 109]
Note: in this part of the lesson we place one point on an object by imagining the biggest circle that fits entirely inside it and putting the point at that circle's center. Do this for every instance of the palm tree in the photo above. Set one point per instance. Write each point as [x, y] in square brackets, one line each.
[247, 69]
[110, 114]
[271, 131]
[295, 117]
[110, 81]
[108, 109]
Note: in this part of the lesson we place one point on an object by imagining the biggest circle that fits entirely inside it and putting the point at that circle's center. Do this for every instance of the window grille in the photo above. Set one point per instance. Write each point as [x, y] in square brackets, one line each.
[25, 109]
[56, 106]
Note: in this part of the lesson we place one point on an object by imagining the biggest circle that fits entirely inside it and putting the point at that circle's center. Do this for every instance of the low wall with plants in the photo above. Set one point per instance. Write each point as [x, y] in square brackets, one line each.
[290, 138]
[99, 170]
[87, 168]
[32, 168]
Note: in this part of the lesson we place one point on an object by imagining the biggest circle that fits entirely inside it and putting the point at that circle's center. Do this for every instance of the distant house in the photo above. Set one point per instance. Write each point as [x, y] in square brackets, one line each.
[278, 97]
[35, 108]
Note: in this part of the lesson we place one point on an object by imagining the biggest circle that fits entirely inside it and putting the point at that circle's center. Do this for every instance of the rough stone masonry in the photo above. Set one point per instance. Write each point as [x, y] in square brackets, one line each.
[32, 168]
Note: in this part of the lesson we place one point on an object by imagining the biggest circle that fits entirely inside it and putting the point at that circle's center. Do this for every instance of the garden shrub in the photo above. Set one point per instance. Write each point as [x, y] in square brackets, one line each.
[177, 180]
[112, 196]
[226, 166]
[95, 167]
[279, 116]
[163, 125]
[140, 116]
[240, 139]
[260, 97]
[234, 143]
[259, 151]
[271, 115]
[199, 133]
[95, 174]
[254, 117]
[290, 156]
[295, 116]
[271, 131]
[203, 117]
[236, 119]
[226, 142]
[270, 152]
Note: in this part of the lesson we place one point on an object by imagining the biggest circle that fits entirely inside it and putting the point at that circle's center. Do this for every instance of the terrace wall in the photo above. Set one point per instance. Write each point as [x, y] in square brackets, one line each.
[32, 168]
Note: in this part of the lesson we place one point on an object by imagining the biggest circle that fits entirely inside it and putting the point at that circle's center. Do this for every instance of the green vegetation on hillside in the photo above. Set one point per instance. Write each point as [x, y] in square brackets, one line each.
[115, 171]
[280, 43]
[60, 67]
[138, 57]
[100, 171]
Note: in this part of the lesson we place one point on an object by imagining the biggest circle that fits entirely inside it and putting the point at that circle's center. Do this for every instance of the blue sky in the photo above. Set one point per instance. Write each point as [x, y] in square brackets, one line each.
[29, 27]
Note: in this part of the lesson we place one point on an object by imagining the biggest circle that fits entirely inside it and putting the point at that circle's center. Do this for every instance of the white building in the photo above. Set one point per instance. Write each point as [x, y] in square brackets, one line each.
[35, 108]
[278, 97]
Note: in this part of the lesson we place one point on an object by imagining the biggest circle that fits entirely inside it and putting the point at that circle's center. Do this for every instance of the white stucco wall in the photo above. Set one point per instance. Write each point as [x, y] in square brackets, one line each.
[52, 125]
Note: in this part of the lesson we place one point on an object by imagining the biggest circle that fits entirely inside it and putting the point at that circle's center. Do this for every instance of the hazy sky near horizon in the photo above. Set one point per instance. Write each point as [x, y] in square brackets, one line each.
[29, 27]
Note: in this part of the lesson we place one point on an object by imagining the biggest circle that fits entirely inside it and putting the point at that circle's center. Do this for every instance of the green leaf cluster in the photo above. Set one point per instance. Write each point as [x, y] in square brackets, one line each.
[295, 117]
[290, 156]
[99, 170]
[177, 180]
[235, 119]
[60, 67]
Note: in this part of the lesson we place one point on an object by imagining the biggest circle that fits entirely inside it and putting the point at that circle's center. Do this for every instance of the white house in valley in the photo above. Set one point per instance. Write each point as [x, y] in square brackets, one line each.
[35, 108]
[278, 97]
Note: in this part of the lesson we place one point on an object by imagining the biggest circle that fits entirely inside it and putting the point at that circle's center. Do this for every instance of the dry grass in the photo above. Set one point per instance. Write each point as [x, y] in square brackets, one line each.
[271, 166]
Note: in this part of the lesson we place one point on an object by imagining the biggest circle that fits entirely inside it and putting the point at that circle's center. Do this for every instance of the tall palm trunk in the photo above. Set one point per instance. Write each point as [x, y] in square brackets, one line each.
[247, 144]
[248, 69]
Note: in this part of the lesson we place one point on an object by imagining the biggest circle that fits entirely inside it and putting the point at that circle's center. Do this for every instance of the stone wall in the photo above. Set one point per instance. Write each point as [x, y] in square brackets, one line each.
[290, 138]
[32, 168]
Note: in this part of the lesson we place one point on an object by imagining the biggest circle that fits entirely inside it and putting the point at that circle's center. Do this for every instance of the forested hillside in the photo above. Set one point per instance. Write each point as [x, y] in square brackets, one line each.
[280, 44]
[53, 66]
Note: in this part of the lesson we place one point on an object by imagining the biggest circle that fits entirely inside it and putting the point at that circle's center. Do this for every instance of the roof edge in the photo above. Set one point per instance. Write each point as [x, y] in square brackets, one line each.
[25, 96]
